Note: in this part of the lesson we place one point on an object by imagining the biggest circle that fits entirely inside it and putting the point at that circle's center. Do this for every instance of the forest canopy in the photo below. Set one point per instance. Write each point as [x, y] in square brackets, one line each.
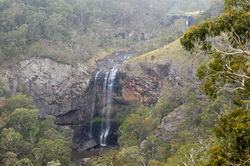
[82, 28]
[211, 132]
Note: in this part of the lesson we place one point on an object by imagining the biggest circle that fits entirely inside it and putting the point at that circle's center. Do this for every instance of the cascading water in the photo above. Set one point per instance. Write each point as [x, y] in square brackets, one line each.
[98, 104]
[101, 101]
[93, 104]
[187, 21]
[108, 87]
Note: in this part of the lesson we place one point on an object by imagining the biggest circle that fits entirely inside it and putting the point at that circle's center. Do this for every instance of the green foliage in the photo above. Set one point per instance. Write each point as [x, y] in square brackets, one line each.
[27, 140]
[191, 155]
[234, 131]
[107, 159]
[233, 20]
[228, 46]
[18, 101]
[155, 148]
[210, 114]
[25, 122]
[54, 163]
[167, 104]
[10, 159]
[155, 163]
[124, 111]
[217, 74]
[135, 128]
[10, 104]
[226, 39]
[55, 149]
[25, 162]
[12, 141]
[82, 29]
[131, 156]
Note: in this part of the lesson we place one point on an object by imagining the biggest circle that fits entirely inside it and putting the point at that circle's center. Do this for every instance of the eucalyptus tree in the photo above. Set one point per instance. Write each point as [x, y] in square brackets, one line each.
[226, 39]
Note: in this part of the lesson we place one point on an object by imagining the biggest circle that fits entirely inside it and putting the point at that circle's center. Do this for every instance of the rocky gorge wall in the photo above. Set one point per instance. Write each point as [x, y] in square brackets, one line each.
[165, 79]
[144, 88]
[145, 82]
[56, 88]
[65, 91]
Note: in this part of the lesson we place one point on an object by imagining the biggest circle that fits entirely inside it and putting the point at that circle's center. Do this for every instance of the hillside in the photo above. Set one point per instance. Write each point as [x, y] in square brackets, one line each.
[173, 112]
[75, 31]
[124, 82]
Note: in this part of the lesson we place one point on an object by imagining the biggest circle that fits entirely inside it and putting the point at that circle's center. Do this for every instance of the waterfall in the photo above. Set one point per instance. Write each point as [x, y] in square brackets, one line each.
[104, 89]
[93, 104]
[108, 87]
[187, 21]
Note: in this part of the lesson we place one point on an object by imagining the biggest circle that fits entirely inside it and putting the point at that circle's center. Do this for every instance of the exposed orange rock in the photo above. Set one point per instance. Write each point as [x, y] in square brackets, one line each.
[145, 90]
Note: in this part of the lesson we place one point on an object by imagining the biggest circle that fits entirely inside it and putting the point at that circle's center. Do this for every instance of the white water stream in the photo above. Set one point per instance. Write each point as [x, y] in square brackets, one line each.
[101, 105]
[93, 105]
[108, 88]
[187, 21]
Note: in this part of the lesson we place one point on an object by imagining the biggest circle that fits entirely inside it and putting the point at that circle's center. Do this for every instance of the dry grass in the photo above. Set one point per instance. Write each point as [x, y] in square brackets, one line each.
[172, 53]
[172, 50]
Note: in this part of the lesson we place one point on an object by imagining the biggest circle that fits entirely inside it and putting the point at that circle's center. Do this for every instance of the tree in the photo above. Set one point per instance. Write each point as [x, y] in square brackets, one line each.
[54, 163]
[155, 148]
[35, 20]
[12, 141]
[135, 125]
[24, 162]
[10, 159]
[132, 155]
[155, 163]
[32, 140]
[136, 128]
[53, 147]
[108, 159]
[226, 39]
[37, 156]
[18, 101]
[54, 26]
[25, 122]
[233, 130]
[191, 154]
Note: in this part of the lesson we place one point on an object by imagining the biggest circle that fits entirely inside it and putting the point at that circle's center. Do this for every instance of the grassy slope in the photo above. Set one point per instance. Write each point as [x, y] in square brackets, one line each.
[173, 52]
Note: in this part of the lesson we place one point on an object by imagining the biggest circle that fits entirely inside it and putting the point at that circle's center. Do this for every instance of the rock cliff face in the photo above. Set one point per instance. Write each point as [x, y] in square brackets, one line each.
[143, 88]
[57, 88]
[161, 77]
[146, 82]
[65, 91]
[171, 122]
